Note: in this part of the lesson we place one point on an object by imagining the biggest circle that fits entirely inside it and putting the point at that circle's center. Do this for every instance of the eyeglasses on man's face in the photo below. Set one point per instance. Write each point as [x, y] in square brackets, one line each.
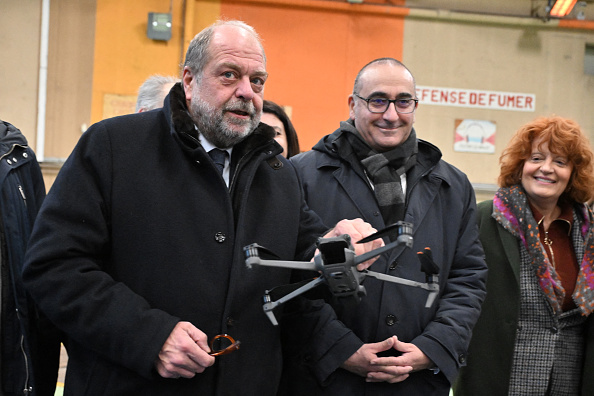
[223, 344]
[380, 105]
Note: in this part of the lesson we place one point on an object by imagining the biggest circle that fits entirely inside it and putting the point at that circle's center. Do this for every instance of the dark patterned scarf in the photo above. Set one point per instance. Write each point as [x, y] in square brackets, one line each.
[384, 170]
[511, 210]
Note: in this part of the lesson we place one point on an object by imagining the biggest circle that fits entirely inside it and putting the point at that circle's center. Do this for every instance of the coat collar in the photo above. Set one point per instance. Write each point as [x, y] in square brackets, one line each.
[10, 136]
[338, 149]
[182, 125]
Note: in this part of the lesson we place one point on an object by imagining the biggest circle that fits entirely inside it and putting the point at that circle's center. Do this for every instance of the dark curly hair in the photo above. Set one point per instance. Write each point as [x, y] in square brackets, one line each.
[564, 137]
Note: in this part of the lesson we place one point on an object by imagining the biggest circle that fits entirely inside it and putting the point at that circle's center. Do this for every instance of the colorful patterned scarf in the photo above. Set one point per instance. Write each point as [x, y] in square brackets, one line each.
[511, 210]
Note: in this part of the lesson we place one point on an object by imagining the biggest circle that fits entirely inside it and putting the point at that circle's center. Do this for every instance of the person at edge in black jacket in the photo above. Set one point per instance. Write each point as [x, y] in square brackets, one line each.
[30, 347]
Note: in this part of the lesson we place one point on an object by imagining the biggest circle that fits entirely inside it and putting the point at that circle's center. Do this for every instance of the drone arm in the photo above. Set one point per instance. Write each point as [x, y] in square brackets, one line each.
[369, 255]
[270, 305]
[432, 286]
[395, 279]
[401, 240]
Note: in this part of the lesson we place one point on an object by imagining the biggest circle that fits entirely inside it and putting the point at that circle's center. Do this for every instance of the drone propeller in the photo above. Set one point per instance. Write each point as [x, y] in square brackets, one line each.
[404, 237]
[428, 266]
[382, 233]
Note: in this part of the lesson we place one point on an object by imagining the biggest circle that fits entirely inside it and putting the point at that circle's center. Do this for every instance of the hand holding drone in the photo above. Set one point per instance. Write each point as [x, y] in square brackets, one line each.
[337, 265]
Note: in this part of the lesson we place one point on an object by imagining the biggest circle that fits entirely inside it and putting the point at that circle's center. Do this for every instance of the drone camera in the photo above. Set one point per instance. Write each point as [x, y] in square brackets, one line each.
[337, 264]
[333, 249]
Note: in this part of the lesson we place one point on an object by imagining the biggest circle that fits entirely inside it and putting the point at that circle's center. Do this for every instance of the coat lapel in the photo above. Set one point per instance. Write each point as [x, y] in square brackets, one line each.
[512, 250]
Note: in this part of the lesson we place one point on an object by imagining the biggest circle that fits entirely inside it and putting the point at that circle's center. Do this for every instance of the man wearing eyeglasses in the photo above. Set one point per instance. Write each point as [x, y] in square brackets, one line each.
[375, 167]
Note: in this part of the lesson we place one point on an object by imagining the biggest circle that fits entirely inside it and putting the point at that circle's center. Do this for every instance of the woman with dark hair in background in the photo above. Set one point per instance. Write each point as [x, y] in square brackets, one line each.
[535, 335]
[286, 136]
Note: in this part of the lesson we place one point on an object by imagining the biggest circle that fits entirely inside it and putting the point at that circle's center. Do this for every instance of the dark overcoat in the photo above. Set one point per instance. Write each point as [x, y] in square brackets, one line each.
[441, 206]
[139, 232]
[30, 343]
[492, 348]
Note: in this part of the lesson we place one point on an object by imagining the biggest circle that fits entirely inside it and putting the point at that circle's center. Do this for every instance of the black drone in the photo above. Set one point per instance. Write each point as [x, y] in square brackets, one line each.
[337, 265]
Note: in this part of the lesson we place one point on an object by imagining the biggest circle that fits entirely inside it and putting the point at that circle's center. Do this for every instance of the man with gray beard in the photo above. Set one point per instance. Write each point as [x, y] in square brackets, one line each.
[137, 253]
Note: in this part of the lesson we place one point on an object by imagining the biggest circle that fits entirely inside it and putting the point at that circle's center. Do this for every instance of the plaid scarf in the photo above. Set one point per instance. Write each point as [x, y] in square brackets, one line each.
[511, 210]
[384, 170]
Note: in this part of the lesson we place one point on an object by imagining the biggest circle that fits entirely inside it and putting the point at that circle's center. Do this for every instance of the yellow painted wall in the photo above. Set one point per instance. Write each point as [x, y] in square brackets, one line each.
[124, 56]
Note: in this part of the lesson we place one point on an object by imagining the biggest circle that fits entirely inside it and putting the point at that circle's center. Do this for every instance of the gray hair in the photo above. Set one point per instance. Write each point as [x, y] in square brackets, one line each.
[197, 55]
[150, 93]
[385, 61]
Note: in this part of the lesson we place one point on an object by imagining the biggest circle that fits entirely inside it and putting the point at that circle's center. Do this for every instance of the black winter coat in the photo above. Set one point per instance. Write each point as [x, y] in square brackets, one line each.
[30, 345]
[441, 206]
[140, 232]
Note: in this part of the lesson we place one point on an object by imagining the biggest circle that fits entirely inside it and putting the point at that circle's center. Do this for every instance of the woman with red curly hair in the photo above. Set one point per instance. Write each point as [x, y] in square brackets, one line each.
[535, 335]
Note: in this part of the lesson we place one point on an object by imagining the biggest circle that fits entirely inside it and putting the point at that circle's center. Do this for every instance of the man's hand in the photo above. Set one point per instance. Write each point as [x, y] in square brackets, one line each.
[390, 369]
[357, 229]
[185, 353]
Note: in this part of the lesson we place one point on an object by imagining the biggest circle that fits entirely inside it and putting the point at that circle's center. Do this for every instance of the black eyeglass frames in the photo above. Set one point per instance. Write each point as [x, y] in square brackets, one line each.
[380, 105]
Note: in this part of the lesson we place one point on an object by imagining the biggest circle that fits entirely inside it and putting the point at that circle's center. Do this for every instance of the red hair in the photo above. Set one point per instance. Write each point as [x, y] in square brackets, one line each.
[565, 138]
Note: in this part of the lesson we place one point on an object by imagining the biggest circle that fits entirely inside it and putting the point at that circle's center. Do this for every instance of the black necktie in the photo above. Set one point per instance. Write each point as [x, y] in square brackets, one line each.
[218, 157]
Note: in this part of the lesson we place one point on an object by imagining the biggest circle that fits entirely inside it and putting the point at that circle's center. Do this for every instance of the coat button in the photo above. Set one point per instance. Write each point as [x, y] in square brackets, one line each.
[9, 162]
[391, 320]
[25, 155]
[462, 358]
[393, 265]
[220, 237]
[554, 330]
[376, 214]
[230, 321]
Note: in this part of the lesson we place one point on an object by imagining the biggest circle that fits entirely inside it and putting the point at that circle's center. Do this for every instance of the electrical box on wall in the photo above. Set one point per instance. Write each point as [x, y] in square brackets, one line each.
[159, 26]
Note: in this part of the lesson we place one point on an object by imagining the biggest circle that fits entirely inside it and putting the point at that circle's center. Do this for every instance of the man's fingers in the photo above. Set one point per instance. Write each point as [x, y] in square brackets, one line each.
[377, 376]
[184, 353]
[384, 345]
[358, 229]
[171, 370]
[199, 338]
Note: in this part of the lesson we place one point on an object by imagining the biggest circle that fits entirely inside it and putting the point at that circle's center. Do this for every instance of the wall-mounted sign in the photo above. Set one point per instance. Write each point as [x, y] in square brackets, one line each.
[475, 136]
[475, 98]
